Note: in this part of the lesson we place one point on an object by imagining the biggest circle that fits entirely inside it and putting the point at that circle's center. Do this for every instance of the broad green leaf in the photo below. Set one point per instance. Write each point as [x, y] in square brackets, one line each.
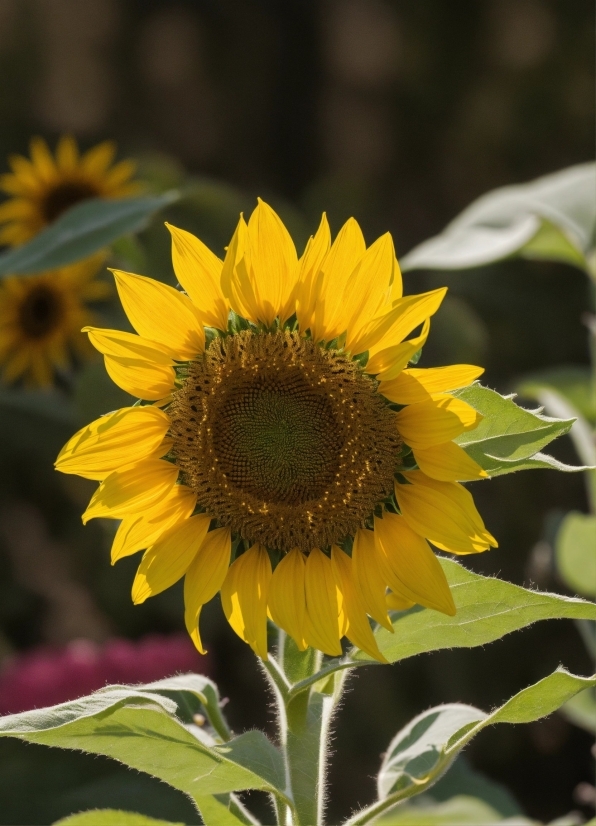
[458, 811]
[81, 231]
[574, 383]
[463, 779]
[509, 438]
[139, 727]
[487, 609]
[575, 549]
[112, 817]
[552, 218]
[216, 812]
[581, 710]
[423, 750]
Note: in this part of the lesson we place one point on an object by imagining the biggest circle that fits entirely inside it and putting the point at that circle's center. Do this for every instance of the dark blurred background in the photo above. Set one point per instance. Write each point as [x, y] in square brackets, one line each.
[399, 112]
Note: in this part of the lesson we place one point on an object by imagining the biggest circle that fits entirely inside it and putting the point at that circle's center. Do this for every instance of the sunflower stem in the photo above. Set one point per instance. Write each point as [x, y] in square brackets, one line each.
[304, 720]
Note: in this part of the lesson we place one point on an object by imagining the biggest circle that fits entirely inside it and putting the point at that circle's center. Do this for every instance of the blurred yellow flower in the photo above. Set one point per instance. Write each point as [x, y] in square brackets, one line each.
[41, 318]
[43, 187]
[285, 456]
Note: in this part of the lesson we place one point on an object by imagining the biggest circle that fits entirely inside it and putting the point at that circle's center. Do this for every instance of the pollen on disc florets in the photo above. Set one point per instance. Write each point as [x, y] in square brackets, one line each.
[283, 441]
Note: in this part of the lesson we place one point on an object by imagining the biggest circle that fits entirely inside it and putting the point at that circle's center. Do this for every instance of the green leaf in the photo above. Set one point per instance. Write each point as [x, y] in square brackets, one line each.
[144, 727]
[581, 710]
[112, 817]
[423, 750]
[509, 438]
[487, 609]
[459, 810]
[81, 231]
[552, 218]
[575, 549]
[215, 812]
[462, 779]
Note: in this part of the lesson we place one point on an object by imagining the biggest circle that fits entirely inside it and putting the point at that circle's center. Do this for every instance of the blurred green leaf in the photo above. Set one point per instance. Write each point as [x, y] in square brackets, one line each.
[509, 438]
[112, 817]
[573, 382]
[462, 779]
[551, 218]
[81, 231]
[139, 727]
[487, 609]
[575, 552]
[461, 809]
[581, 710]
[422, 751]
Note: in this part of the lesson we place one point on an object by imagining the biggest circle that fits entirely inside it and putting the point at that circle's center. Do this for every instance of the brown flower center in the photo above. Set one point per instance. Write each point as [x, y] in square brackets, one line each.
[64, 196]
[287, 443]
[40, 312]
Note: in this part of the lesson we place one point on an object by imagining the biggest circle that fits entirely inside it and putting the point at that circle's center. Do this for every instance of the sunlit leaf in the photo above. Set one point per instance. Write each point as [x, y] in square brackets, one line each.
[144, 727]
[509, 438]
[487, 609]
[551, 218]
[423, 750]
[81, 231]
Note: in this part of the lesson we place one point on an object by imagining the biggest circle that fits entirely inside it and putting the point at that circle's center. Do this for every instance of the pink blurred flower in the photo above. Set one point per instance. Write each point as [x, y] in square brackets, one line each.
[46, 676]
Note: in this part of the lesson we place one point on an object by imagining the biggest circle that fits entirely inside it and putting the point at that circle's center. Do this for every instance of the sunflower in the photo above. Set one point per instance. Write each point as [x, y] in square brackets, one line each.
[41, 318]
[283, 453]
[44, 187]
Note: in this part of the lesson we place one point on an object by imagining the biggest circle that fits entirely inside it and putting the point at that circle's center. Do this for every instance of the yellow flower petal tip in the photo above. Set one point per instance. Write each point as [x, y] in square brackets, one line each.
[257, 455]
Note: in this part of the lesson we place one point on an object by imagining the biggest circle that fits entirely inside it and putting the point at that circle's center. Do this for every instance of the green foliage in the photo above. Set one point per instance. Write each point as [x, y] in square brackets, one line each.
[143, 727]
[551, 218]
[422, 751]
[575, 549]
[509, 438]
[112, 817]
[487, 609]
[81, 231]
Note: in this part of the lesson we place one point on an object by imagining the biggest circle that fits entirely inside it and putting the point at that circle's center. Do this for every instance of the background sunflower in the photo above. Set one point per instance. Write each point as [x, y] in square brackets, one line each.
[44, 186]
[41, 317]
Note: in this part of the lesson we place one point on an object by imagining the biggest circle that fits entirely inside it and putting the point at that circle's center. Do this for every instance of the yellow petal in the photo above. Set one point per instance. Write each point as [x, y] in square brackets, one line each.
[161, 314]
[443, 512]
[435, 422]
[411, 565]
[420, 385]
[395, 602]
[273, 261]
[448, 463]
[358, 631]
[367, 287]
[128, 345]
[340, 262]
[165, 562]
[310, 276]
[388, 363]
[229, 280]
[140, 531]
[244, 596]
[132, 490]
[287, 600]
[392, 327]
[397, 286]
[42, 159]
[122, 438]
[142, 379]
[322, 604]
[67, 153]
[204, 578]
[199, 272]
[368, 578]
